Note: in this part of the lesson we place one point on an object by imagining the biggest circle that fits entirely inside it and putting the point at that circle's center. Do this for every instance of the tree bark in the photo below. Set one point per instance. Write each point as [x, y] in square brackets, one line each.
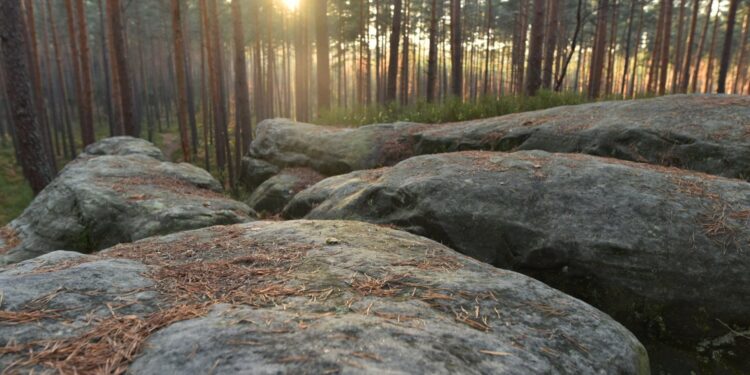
[573, 43]
[600, 45]
[726, 53]
[456, 51]
[708, 82]
[685, 79]
[487, 52]
[390, 92]
[323, 58]
[119, 56]
[38, 92]
[179, 63]
[550, 45]
[242, 96]
[677, 60]
[701, 44]
[534, 68]
[741, 70]
[404, 85]
[302, 66]
[432, 55]
[666, 34]
[33, 159]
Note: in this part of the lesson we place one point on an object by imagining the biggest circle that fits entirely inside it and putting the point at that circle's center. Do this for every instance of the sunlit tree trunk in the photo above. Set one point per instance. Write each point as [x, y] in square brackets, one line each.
[666, 34]
[600, 46]
[550, 44]
[432, 54]
[322, 51]
[677, 60]
[741, 61]
[701, 44]
[708, 81]
[390, 95]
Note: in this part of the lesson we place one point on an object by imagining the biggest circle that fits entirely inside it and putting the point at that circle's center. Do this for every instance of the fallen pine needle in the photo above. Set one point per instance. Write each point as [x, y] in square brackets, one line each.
[497, 354]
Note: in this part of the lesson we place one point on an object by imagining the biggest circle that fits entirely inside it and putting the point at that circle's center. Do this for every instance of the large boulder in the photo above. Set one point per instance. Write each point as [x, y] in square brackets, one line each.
[100, 201]
[707, 133]
[253, 172]
[297, 297]
[124, 145]
[275, 193]
[663, 250]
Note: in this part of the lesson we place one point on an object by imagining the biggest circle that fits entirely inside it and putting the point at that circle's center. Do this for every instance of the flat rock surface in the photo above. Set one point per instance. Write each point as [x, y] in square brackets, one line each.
[297, 297]
[100, 201]
[663, 250]
[707, 133]
[124, 145]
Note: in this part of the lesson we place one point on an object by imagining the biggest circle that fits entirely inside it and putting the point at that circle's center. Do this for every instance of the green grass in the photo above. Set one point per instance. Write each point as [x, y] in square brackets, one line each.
[450, 111]
[15, 192]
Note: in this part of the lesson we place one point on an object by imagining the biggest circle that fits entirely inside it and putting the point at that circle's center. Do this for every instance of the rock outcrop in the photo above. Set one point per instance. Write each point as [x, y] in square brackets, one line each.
[124, 145]
[297, 297]
[275, 193]
[121, 195]
[663, 250]
[707, 133]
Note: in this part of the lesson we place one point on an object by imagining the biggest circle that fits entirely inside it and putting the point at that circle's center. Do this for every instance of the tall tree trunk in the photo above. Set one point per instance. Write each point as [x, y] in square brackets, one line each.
[105, 68]
[487, 52]
[242, 96]
[258, 86]
[573, 43]
[534, 68]
[685, 71]
[179, 63]
[741, 70]
[68, 127]
[302, 66]
[456, 51]
[216, 66]
[726, 53]
[322, 51]
[666, 34]
[119, 55]
[678, 50]
[655, 64]
[550, 45]
[639, 33]
[205, 108]
[708, 83]
[432, 55]
[33, 159]
[628, 42]
[38, 92]
[611, 49]
[390, 95]
[701, 44]
[600, 46]
[270, 60]
[405, 57]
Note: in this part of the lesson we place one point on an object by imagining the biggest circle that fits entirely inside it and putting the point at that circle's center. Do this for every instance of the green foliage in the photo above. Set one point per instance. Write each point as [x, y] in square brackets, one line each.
[15, 193]
[449, 111]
